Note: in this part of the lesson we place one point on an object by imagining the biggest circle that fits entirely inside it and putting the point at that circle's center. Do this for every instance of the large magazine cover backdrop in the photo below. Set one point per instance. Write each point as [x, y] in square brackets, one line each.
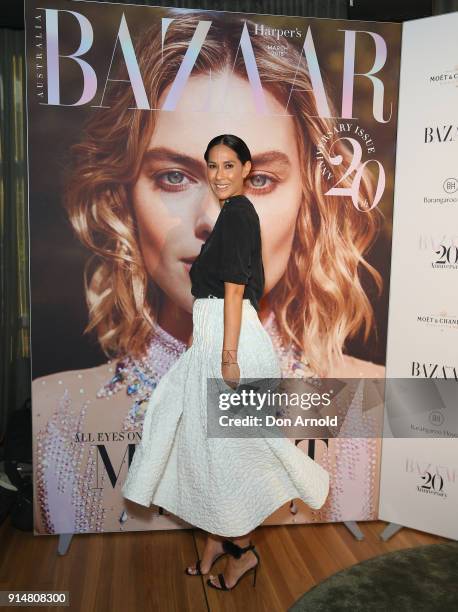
[122, 101]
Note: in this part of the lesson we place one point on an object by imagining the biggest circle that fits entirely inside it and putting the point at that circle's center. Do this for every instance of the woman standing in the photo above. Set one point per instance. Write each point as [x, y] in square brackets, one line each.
[225, 486]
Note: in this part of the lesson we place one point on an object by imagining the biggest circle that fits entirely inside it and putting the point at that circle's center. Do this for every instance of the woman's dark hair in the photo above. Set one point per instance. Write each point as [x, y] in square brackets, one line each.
[233, 142]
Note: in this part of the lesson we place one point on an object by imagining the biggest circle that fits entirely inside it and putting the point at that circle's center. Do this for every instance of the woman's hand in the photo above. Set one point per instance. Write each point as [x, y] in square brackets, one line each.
[231, 374]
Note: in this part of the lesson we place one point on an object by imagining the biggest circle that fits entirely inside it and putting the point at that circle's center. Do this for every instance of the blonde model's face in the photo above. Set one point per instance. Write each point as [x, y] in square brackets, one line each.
[174, 205]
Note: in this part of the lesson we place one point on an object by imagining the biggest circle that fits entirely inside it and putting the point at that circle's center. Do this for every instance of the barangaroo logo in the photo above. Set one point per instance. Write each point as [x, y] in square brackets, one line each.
[436, 418]
[449, 187]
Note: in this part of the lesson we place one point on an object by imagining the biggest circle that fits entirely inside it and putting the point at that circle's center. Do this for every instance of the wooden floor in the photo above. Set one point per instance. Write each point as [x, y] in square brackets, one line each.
[145, 571]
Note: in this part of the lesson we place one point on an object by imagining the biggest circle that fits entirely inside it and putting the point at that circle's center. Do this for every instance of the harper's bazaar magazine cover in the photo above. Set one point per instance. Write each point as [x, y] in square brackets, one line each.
[122, 101]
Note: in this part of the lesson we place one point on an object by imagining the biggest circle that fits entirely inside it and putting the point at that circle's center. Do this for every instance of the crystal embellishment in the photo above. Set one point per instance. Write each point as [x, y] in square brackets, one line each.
[139, 377]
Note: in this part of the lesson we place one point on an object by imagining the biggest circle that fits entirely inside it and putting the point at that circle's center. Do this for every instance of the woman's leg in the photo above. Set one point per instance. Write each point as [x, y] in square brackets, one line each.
[213, 548]
[236, 567]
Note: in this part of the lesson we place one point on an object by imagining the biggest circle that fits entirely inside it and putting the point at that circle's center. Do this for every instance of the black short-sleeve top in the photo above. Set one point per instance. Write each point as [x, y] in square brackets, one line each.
[232, 253]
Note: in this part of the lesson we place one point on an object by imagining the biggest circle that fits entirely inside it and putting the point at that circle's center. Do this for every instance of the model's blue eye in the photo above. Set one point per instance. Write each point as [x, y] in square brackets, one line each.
[262, 184]
[175, 177]
[172, 180]
[259, 180]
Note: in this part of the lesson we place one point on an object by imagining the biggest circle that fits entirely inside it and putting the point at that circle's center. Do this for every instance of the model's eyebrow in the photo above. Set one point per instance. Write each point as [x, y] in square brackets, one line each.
[164, 153]
[277, 158]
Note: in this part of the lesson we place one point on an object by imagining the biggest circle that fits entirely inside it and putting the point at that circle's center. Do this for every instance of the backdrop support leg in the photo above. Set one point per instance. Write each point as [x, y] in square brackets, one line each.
[389, 531]
[352, 526]
[64, 543]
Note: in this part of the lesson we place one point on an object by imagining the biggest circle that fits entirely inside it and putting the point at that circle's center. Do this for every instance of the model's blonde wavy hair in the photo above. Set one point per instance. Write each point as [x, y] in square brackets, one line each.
[318, 303]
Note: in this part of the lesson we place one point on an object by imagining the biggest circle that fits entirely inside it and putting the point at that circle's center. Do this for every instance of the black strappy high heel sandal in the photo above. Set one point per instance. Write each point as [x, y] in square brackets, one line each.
[198, 570]
[237, 552]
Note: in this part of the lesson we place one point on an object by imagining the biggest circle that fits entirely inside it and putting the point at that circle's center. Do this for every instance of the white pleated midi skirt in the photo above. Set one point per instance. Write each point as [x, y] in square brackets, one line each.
[225, 486]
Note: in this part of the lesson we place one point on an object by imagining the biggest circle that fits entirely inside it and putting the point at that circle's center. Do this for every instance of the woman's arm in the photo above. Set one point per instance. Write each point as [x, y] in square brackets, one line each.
[235, 272]
[233, 297]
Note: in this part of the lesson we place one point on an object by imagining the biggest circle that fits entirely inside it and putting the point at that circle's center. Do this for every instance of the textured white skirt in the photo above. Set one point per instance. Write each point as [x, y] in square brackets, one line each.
[226, 486]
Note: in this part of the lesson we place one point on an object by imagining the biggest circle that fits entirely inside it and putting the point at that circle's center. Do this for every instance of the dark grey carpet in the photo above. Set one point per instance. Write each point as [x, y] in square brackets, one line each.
[422, 579]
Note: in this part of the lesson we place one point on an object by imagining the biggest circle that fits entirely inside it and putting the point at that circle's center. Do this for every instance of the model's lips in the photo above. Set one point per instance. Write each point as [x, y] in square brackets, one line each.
[187, 262]
[221, 187]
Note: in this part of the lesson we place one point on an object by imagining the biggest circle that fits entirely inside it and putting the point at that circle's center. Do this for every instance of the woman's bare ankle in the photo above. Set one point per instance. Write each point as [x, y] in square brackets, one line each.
[214, 541]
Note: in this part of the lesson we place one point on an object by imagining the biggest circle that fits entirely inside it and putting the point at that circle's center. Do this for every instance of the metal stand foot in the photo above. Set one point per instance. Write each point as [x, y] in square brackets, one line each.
[389, 531]
[352, 526]
[64, 543]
